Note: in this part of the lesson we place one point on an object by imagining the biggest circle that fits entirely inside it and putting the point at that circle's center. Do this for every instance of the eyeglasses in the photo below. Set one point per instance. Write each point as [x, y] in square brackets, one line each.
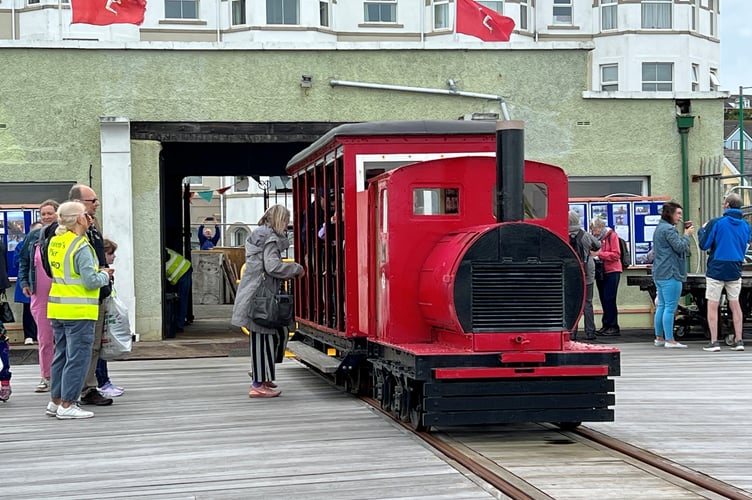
[91, 200]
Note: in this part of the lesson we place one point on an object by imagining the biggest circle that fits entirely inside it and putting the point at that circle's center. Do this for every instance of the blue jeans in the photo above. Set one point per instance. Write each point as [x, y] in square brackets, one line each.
[102, 375]
[668, 292]
[607, 288]
[73, 342]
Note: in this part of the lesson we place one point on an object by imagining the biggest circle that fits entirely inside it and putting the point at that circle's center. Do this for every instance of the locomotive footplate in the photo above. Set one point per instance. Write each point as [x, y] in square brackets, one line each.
[448, 390]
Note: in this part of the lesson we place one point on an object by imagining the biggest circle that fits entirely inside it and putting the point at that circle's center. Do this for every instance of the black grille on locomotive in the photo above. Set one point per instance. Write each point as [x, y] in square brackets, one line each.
[517, 297]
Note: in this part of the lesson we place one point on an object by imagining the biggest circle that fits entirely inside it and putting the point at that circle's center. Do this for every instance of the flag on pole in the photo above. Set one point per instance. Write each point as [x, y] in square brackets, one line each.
[481, 22]
[105, 12]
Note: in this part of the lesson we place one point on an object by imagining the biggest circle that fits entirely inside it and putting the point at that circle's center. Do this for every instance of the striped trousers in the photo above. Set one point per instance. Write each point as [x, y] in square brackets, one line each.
[263, 348]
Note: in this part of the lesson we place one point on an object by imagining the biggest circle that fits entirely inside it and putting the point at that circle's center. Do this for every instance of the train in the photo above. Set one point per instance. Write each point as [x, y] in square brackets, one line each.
[440, 280]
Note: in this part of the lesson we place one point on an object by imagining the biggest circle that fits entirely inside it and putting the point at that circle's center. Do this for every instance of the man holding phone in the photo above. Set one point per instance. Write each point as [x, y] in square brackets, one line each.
[726, 239]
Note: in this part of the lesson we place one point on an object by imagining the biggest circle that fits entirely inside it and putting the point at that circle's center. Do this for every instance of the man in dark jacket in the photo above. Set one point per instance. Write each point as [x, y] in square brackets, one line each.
[726, 239]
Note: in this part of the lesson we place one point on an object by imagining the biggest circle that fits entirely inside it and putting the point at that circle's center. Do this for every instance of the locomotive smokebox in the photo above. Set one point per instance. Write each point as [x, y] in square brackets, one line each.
[510, 170]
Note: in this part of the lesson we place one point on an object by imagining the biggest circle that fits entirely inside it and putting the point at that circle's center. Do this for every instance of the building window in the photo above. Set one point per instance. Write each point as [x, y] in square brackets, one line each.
[562, 11]
[610, 77]
[238, 12]
[441, 14]
[194, 180]
[181, 9]
[598, 187]
[657, 77]
[241, 184]
[656, 14]
[715, 83]
[281, 11]
[608, 15]
[384, 11]
[523, 15]
[497, 5]
[712, 4]
[695, 77]
[324, 13]
[32, 2]
[695, 13]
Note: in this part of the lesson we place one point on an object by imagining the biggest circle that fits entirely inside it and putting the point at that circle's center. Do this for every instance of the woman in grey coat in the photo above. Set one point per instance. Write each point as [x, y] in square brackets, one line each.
[263, 253]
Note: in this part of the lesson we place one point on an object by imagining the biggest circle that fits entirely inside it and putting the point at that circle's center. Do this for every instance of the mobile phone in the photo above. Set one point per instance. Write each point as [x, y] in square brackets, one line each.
[687, 224]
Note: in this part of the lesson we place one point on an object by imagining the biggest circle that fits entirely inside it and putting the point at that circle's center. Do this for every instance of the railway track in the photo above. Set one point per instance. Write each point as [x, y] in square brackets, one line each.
[534, 461]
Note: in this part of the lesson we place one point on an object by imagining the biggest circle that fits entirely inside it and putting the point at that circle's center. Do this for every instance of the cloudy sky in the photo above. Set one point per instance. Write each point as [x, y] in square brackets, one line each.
[736, 45]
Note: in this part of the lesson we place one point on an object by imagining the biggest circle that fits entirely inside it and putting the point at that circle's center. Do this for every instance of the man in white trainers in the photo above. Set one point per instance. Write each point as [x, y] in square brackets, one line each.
[726, 238]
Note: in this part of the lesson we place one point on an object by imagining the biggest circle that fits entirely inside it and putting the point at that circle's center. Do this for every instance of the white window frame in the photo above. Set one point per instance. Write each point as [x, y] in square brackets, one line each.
[495, 5]
[325, 11]
[609, 85]
[392, 11]
[182, 4]
[657, 14]
[562, 6]
[285, 5]
[524, 15]
[609, 15]
[660, 85]
[695, 15]
[713, 11]
[441, 9]
[695, 77]
[242, 12]
[715, 83]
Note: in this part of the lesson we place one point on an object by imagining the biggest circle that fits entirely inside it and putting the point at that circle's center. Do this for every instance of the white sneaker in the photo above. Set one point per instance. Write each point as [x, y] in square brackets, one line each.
[677, 345]
[659, 343]
[28, 341]
[73, 411]
[43, 385]
[51, 410]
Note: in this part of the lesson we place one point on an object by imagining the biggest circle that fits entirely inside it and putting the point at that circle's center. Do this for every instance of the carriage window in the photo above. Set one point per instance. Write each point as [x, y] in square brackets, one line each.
[536, 200]
[436, 201]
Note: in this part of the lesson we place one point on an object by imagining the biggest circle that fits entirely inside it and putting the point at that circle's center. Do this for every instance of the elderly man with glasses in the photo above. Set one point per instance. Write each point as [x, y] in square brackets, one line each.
[86, 195]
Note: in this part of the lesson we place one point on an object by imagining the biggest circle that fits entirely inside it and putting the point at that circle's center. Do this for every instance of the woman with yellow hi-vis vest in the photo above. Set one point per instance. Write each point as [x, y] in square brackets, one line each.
[72, 308]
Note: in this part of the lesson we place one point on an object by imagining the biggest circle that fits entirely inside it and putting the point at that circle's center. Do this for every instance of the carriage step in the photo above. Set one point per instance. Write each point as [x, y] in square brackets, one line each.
[314, 357]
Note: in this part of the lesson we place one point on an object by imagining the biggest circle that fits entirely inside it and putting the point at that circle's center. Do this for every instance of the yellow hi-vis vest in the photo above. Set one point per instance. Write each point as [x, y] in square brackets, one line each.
[69, 298]
[176, 266]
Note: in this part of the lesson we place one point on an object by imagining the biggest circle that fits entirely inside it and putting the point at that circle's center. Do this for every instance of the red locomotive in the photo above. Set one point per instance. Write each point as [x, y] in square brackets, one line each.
[440, 278]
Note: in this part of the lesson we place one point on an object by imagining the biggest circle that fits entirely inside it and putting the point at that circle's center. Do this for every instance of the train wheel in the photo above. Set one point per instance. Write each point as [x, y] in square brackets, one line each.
[406, 400]
[387, 394]
[416, 419]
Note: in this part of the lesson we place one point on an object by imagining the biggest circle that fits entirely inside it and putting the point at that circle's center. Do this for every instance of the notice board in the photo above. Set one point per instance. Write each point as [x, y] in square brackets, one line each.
[633, 218]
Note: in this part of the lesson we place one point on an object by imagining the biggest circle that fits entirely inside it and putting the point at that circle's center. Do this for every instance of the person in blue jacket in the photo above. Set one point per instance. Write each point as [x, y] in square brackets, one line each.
[726, 239]
[205, 238]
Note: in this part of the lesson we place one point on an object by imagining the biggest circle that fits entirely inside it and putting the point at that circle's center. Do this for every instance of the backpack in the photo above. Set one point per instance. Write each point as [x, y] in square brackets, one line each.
[579, 247]
[626, 257]
[45, 235]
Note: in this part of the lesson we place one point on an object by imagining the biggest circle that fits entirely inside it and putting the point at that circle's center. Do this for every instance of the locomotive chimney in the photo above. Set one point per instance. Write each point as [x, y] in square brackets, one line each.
[510, 170]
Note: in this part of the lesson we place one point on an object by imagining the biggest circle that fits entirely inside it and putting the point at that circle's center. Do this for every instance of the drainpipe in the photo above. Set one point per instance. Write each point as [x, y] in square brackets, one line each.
[421, 90]
[685, 122]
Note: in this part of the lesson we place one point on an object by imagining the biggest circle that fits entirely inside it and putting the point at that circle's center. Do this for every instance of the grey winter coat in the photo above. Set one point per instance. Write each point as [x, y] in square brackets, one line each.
[590, 243]
[262, 243]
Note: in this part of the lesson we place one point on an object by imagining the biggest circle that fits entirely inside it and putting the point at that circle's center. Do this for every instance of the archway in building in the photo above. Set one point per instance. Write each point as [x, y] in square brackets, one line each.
[216, 149]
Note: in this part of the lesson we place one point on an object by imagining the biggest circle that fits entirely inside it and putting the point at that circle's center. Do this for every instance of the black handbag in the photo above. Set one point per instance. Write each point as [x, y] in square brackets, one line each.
[6, 313]
[271, 308]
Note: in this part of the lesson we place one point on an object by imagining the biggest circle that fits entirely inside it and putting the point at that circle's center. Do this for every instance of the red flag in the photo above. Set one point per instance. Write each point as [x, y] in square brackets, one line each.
[104, 12]
[479, 21]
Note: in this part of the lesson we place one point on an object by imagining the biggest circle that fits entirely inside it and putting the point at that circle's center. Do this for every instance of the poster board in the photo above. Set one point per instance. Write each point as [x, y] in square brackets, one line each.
[14, 225]
[634, 219]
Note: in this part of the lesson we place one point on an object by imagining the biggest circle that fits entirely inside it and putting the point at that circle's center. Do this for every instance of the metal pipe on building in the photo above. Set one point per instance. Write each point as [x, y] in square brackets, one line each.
[422, 90]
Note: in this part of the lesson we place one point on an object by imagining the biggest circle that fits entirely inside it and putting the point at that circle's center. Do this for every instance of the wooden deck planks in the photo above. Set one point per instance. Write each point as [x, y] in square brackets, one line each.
[186, 429]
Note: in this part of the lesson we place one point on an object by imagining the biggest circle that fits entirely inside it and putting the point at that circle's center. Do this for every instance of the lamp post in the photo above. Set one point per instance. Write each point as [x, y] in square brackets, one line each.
[741, 132]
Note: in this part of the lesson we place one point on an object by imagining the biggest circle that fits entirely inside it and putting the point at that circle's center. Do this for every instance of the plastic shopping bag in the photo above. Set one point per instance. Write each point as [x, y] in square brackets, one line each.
[116, 338]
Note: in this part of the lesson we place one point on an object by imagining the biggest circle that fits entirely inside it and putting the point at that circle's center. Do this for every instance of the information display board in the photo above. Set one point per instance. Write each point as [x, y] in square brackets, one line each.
[634, 219]
[14, 224]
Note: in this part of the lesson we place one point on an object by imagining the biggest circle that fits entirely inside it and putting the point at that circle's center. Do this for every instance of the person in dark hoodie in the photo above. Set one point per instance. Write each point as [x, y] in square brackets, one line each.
[726, 239]
[586, 246]
[263, 260]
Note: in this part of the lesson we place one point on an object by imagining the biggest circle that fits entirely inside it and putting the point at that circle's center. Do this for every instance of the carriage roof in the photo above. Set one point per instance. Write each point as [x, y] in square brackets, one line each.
[418, 127]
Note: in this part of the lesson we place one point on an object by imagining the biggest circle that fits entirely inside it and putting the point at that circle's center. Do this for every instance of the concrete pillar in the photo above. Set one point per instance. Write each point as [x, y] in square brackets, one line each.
[117, 204]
